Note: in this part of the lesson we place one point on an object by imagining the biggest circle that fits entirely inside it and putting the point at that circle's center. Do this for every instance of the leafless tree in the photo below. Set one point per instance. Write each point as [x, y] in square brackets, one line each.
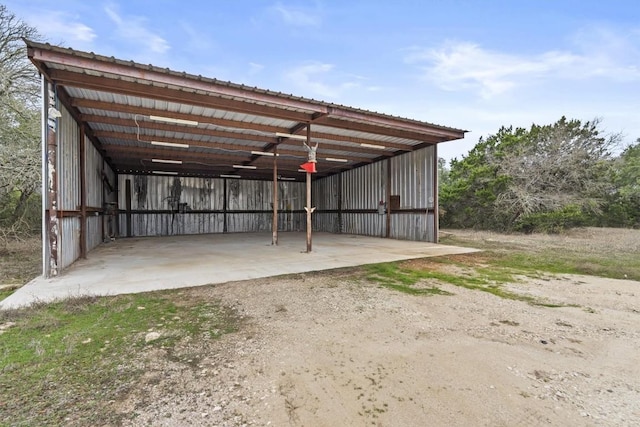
[19, 125]
[564, 164]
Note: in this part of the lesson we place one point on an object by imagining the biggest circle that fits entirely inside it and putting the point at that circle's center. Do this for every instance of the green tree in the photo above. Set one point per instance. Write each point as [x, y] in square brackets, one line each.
[547, 177]
[623, 202]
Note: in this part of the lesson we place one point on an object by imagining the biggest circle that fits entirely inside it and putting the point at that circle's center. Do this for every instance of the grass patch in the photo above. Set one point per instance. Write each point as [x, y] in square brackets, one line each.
[563, 257]
[392, 276]
[62, 363]
[486, 279]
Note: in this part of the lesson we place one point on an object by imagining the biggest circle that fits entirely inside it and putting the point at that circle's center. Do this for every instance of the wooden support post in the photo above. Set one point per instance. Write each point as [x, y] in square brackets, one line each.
[387, 233]
[309, 209]
[274, 224]
[83, 193]
[127, 196]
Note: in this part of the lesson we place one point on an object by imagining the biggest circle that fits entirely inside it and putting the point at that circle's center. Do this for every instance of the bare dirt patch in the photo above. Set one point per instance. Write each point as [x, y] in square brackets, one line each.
[334, 349]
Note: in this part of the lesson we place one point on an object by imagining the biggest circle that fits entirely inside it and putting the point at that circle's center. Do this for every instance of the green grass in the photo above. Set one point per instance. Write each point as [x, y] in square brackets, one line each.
[601, 262]
[391, 276]
[65, 360]
[486, 279]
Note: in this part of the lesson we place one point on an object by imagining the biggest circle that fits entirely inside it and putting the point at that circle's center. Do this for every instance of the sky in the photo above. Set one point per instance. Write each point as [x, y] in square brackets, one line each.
[473, 65]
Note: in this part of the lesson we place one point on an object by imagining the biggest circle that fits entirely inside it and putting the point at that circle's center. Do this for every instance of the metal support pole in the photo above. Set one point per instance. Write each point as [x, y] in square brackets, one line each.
[53, 226]
[388, 200]
[308, 208]
[83, 193]
[274, 225]
[436, 213]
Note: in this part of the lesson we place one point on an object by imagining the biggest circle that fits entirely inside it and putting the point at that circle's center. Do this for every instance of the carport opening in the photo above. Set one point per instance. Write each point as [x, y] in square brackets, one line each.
[132, 150]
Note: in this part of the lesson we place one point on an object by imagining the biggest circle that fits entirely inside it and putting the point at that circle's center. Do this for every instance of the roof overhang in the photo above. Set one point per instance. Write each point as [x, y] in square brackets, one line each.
[139, 115]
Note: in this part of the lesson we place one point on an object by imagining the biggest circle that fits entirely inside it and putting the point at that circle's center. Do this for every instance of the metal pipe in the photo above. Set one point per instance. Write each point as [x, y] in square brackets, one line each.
[274, 224]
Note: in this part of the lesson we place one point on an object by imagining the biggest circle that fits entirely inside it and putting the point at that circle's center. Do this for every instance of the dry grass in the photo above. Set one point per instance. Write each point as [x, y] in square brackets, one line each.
[20, 261]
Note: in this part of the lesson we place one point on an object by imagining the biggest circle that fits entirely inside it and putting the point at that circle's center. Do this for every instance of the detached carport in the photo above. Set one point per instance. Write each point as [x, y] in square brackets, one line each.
[133, 150]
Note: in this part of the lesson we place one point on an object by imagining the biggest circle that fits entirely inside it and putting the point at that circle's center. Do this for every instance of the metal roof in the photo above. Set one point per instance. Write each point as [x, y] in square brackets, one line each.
[122, 105]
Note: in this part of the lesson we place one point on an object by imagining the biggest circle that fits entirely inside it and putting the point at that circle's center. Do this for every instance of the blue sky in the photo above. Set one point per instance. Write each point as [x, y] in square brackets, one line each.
[475, 65]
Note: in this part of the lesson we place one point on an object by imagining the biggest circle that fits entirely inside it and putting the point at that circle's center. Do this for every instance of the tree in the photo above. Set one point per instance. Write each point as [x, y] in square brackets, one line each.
[548, 177]
[623, 202]
[19, 129]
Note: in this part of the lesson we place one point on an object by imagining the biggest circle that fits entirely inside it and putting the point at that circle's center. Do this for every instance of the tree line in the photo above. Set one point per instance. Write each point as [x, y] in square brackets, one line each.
[545, 178]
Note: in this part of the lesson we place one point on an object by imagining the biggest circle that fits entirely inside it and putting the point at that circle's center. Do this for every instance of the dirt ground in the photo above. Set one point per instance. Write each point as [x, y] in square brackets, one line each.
[329, 350]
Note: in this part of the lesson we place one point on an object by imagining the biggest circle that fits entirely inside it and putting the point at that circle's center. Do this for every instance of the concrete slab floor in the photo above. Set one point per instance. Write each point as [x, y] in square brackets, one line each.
[132, 265]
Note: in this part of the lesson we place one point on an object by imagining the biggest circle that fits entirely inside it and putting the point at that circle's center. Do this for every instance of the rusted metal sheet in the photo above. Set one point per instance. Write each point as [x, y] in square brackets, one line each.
[181, 198]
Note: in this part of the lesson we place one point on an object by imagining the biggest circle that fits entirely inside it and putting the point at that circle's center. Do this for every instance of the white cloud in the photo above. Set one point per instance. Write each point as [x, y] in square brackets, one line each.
[63, 27]
[298, 17]
[458, 66]
[132, 29]
[307, 78]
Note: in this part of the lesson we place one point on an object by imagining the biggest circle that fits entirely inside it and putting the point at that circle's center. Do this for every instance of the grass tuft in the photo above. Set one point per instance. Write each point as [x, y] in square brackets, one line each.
[58, 354]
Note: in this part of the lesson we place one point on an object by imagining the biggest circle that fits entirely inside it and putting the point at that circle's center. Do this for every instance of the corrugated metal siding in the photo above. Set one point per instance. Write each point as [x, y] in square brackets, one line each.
[93, 175]
[159, 224]
[412, 179]
[69, 250]
[364, 187]
[207, 194]
[327, 222]
[94, 231]
[68, 161]
[366, 224]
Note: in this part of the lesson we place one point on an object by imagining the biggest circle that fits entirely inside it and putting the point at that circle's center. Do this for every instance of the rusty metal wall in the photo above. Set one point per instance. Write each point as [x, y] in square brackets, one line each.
[68, 167]
[68, 188]
[170, 193]
[362, 189]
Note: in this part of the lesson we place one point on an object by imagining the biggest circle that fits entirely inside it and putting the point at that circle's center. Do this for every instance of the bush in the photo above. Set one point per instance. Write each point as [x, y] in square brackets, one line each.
[553, 222]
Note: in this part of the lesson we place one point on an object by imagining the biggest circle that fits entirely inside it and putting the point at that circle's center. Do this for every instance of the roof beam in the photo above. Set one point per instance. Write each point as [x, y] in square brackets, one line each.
[44, 54]
[152, 91]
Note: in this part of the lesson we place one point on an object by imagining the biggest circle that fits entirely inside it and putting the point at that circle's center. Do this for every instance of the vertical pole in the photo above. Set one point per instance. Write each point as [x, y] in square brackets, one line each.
[116, 186]
[339, 202]
[388, 198]
[436, 219]
[127, 200]
[274, 224]
[83, 194]
[308, 212]
[105, 196]
[53, 227]
[225, 225]
[44, 186]
[309, 195]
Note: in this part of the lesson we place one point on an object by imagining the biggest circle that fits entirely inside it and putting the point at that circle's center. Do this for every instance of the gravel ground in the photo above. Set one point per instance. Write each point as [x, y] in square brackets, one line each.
[327, 349]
